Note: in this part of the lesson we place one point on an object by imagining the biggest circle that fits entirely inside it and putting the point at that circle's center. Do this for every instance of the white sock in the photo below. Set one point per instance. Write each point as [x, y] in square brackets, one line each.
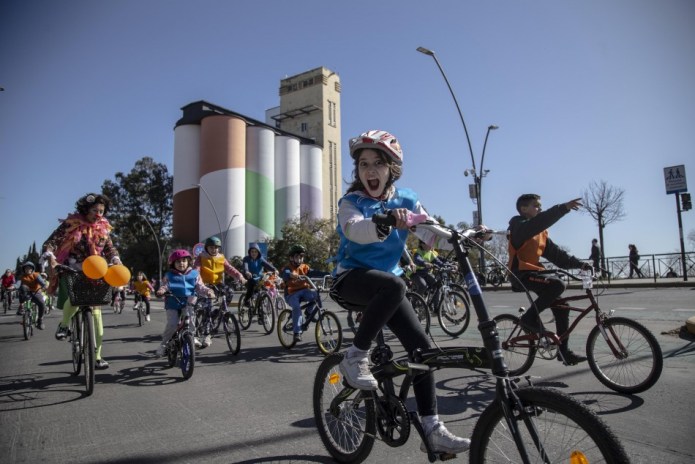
[430, 423]
[353, 352]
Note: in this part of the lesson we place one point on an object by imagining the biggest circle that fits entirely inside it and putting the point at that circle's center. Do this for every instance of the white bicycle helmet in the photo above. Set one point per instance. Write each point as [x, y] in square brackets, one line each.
[378, 140]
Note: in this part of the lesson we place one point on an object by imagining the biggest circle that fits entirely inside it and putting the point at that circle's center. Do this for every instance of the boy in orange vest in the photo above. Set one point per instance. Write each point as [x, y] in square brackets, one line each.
[528, 242]
[29, 285]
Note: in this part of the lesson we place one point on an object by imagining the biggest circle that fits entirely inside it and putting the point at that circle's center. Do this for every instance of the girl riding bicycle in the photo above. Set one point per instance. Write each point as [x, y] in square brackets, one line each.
[142, 289]
[368, 273]
[182, 281]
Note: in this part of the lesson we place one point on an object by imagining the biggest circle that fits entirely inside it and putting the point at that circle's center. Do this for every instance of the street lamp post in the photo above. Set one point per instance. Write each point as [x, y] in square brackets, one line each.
[214, 210]
[159, 250]
[477, 176]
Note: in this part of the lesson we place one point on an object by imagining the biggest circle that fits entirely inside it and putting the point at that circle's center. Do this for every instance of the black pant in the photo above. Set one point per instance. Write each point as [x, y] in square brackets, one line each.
[548, 287]
[382, 295]
[423, 281]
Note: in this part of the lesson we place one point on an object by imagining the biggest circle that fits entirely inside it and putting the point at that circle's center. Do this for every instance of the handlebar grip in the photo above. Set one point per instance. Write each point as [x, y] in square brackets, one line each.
[384, 220]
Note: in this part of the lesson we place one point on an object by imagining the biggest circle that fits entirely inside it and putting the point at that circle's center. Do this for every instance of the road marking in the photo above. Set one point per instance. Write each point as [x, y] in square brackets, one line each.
[684, 310]
[629, 309]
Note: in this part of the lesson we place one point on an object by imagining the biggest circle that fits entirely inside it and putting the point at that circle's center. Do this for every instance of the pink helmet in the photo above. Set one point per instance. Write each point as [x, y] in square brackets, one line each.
[178, 254]
[378, 140]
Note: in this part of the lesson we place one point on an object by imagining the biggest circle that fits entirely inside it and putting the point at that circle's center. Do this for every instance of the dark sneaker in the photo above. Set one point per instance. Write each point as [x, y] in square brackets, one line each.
[61, 333]
[101, 364]
[443, 441]
[40, 325]
[570, 358]
[297, 337]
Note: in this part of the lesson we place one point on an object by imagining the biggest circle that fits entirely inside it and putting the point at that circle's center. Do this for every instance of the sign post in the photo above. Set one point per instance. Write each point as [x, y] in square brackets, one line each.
[676, 182]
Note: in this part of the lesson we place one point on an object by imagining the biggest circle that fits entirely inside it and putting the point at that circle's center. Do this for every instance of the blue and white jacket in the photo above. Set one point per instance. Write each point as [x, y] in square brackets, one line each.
[360, 243]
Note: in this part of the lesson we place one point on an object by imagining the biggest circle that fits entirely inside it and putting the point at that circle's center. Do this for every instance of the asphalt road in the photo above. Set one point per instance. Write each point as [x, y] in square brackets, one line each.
[256, 407]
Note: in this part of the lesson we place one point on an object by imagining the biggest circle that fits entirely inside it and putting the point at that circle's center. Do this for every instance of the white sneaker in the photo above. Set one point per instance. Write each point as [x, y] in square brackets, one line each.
[161, 350]
[355, 368]
[196, 342]
[443, 441]
[207, 341]
[147, 318]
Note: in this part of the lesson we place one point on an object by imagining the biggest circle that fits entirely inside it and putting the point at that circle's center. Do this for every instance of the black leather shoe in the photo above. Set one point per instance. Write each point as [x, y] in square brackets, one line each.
[571, 358]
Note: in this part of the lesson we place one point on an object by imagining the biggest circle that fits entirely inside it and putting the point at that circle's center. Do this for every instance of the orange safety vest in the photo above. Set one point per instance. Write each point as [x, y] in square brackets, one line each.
[529, 253]
[31, 281]
[212, 268]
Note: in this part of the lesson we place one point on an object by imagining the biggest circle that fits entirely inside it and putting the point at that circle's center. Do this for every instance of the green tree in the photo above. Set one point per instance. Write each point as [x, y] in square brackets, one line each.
[142, 196]
[318, 237]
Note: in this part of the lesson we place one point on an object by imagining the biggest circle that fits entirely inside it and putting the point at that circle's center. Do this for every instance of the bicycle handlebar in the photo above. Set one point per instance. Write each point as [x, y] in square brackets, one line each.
[436, 228]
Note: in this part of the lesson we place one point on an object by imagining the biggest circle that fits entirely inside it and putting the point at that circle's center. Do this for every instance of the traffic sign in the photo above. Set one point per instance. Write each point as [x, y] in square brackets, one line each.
[674, 176]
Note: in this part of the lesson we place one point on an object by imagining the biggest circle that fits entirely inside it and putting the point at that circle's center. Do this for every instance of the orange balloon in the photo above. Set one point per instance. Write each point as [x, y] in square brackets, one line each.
[117, 275]
[94, 267]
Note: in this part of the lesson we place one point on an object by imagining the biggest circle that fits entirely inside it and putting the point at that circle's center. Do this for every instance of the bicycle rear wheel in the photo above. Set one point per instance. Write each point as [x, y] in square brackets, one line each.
[639, 362]
[346, 420]
[187, 355]
[329, 333]
[421, 310]
[454, 313]
[244, 313]
[566, 430]
[88, 349]
[232, 333]
[266, 313]
[518, 353]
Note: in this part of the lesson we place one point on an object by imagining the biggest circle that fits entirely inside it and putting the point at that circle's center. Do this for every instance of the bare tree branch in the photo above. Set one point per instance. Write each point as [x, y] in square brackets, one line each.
[604, 203]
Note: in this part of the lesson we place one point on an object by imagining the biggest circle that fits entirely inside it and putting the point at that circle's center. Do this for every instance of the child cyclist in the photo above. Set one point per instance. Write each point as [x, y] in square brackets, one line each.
[8, 282]
[254, 266]
[182, 281]
[368, 273]
[212, 266]
[528, 241]
[29, 285]
[298, 290]
[425, 259]
[142, 288]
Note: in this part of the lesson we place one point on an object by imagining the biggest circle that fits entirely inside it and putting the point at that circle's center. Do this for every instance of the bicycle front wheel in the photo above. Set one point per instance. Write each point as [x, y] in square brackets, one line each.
[244, 313]
[266, 313]
[26, 324]
[519, 349]
[88, 349]
[553, 427]
[286, 329]
[421, 310]
[329, 333]
[344, 417]
[454, 313]
[76, 342]
[232, 333]
[140, 316]
[628, 359]
[187, 355]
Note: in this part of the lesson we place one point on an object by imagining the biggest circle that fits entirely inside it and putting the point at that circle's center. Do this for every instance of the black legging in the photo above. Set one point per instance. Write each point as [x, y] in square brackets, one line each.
[548, 287]
[382, 295]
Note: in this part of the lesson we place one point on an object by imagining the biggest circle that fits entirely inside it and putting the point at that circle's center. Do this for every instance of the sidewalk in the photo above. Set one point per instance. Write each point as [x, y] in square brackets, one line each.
[648, 282]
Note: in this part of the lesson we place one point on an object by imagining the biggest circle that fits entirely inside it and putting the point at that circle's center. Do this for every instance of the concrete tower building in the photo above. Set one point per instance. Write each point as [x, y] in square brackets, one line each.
[310, 108]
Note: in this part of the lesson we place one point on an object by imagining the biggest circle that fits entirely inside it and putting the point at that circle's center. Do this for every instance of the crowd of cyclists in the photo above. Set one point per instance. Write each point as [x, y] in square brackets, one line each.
[372, 270]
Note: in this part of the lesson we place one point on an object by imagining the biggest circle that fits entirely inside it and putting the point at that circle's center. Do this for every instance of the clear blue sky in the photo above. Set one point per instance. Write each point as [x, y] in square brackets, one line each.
[581, 90]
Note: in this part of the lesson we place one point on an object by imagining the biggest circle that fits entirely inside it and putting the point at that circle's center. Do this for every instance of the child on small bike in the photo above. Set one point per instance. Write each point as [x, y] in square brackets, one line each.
[528, 242]
[298, 290]
[368, 274]
[142, 288]
[29, 285]
[212, 266]
[182, 281]
[254, 266]
[426, 258]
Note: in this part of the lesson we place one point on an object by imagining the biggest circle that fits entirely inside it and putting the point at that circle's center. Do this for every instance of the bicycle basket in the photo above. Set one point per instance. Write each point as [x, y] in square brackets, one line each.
[87, 292]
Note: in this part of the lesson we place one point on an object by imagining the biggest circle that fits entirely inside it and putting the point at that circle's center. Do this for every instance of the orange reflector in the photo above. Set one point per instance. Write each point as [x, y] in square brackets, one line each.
[334, 378]
[577, 457]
